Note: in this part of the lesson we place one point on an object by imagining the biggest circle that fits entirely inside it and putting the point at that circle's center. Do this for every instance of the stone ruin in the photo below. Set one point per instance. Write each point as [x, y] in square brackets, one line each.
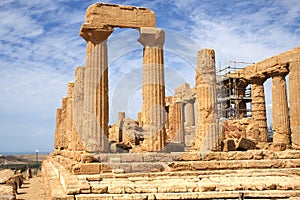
[180, 147]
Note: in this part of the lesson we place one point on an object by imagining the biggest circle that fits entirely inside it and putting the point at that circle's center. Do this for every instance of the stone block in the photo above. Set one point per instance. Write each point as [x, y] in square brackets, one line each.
[132, 157]
[149, 167]
[116, 189]
[179, 166]
[99, 188]
[174, 147]
[7, 192]
[278, 147]
[245, 144]
[228, 145]
[90, 168]
[105, 168]
[5, 175]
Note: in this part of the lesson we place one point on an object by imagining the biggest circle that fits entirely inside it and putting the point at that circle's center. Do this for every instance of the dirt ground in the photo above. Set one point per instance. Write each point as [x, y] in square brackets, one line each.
[32, 189]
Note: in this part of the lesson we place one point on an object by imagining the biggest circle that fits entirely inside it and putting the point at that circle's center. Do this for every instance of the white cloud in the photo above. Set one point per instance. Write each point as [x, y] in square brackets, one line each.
[41, 48]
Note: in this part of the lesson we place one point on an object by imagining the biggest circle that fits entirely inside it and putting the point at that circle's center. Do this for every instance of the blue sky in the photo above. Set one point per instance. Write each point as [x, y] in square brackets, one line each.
[40, 49]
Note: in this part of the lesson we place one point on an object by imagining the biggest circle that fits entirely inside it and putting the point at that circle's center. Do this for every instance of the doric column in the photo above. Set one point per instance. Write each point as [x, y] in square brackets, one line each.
[294, 87]
[95, 118]
[206, 137]
[57, 136]
[69, 117]
[63, 143]
[77, 108]
[190, 113]
[181, 135]
[280, 112]
[258, 109]
[174, 121]
[153, 108]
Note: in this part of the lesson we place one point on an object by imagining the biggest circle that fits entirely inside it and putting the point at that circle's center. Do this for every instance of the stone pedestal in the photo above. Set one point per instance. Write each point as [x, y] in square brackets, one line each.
[206, 137]
[280, 112]
[95, 106]
[294, 87]
[153, 91]
[259, 108]
[189, 113]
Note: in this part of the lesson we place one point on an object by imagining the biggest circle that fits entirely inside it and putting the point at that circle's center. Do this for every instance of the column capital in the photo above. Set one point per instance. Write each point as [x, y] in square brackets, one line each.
[258, 80]
[282, 73]
[95, 35]
[152, 37]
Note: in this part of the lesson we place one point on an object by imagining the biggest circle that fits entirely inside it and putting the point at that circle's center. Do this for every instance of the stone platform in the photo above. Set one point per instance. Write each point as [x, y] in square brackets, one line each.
[258, 174]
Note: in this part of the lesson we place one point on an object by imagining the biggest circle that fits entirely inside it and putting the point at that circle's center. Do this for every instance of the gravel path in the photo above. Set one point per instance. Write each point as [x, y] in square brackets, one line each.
[32, 189]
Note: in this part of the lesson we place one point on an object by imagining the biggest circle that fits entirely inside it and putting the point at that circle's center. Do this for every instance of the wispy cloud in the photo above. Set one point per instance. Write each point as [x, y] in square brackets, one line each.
[40, 49]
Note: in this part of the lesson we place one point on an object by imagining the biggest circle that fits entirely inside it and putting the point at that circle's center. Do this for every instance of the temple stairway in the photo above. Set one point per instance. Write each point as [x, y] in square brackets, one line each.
[258, 174]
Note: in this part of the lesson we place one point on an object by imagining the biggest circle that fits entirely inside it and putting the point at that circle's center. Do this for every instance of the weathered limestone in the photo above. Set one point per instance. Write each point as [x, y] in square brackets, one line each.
[294, 93]
[174, 118]
[189, 113]
[280, 111]
[57, 134]
[95, 120]
[153, 108]
[206, 136]
[101, 15]
[259, 108]
[181, 136]
[77, 109]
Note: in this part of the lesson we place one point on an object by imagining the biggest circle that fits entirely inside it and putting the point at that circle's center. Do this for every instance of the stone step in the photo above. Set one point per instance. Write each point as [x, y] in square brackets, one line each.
[271, 194]
[176, 156]
[176, 184]
[53, 187]
[96, 168]
[166, 184]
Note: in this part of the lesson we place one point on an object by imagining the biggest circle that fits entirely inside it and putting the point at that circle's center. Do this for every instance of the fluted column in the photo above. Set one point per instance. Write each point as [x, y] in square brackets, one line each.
[95, 118]
[280, 112]
[190, 113]
[182, 131]
[153, 91]
[77, 108]
[258, 109]
[294, 87]
[174, 122]
[57, 136]
[206, 137]
[69, 117]
[63, 144]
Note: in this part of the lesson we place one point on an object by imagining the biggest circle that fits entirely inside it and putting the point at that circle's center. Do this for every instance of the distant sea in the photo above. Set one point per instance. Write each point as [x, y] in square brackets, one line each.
[21, 153]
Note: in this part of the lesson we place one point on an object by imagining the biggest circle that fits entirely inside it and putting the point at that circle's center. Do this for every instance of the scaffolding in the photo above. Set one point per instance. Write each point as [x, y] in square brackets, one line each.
[233, 93]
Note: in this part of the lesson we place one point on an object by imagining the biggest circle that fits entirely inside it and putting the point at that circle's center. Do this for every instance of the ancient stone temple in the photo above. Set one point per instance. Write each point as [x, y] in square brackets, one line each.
[200, 143]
